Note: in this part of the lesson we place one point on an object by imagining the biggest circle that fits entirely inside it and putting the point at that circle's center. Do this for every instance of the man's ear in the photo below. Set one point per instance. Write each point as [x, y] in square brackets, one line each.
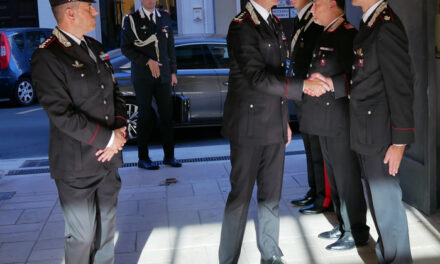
[69, 14]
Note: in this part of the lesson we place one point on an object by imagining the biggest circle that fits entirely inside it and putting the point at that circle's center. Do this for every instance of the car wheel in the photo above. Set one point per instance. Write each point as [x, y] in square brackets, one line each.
[24, 92]
[132, 114]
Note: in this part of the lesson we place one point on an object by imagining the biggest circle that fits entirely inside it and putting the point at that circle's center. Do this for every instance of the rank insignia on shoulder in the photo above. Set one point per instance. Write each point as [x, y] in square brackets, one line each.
[104, 56]
[359, 52]
[361, 63]
[323, 62]
[77, 64]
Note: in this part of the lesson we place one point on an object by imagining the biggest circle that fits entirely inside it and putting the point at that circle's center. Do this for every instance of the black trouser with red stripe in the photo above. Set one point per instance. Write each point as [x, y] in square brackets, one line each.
[344, 176]
[318, 182]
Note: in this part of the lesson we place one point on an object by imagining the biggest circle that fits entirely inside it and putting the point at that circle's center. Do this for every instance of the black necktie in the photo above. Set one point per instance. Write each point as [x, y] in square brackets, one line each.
[271, 24]
[151, 18]
[296, 23]
[83, 45]
[362, 24]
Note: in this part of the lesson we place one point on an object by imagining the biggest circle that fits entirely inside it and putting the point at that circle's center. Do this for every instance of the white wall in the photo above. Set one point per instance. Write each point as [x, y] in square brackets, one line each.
[47, 20]
[225, 11]
[195, 16]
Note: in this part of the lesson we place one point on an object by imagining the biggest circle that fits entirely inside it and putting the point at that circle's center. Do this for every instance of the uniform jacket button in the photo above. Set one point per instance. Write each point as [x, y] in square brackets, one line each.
[269, 45]
[328, 103]
[353, 67]
[311, 65]
[282, 102]
[102, 86]
[369, 112]
[308, 75]
[105, 102]
[351, 81]
[82, 74]
[106, 117]
[251, 106]
[314, 55]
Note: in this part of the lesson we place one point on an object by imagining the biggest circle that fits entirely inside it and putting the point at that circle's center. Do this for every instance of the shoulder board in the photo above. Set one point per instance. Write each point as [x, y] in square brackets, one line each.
[277, 18]
[378, 14]
[336, 24]
[387, 15]
[47, 42]
[164, 11]
[241, 16]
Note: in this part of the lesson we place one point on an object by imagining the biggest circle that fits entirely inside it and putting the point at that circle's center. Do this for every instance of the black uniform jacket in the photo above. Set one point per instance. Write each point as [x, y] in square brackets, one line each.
[255, 110]
[139, 55]
[328, 114]
[82, 101]
[302, 44]
[381, 104]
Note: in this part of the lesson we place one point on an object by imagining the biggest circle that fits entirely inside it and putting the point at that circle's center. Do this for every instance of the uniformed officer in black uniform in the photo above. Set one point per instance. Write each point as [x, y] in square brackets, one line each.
[147, 40]
[255, 120]
[302, 44]
[382, 122]
[76, 87]
[327, 116]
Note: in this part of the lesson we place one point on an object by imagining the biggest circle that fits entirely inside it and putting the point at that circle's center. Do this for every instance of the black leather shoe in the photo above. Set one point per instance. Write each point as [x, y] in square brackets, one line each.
[306, 200]
[346, 242]
[335, 233]
[273, 260]
[312, 209]
[172, 162]
[148, 165]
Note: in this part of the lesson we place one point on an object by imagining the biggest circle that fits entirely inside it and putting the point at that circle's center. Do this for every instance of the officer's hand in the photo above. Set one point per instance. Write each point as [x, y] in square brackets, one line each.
[393, 157]
[119, 140]
[315, 87]
[173, 79]
[289, 135]
[321, 77]
[106, 154]
[118, 143]
[154, 67]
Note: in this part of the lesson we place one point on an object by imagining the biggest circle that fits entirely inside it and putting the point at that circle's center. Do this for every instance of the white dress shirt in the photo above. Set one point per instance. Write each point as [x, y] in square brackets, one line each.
[370, 11]
[261, 10]
[148, 13]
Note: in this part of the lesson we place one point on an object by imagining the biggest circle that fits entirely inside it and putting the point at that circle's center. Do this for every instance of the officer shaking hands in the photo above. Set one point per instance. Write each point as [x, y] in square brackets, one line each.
[77, 88]
[148, 41]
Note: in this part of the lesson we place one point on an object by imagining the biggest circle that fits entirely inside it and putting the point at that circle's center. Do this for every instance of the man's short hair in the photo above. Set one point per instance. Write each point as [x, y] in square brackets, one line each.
[58, 11]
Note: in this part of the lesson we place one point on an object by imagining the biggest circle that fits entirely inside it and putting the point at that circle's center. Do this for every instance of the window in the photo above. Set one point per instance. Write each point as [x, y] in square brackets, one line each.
[34, 39]
[194, 57]
[220, 54]
[19, 41]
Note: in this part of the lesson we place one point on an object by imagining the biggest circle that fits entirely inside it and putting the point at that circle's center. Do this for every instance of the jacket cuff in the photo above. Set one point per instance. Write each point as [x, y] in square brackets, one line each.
[120, 121]
[341, 86]
[294, 89]
[402, 135]
[100, 137]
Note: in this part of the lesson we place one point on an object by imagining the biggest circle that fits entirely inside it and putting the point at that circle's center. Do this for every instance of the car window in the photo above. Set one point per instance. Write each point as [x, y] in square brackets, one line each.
[194, 57]
[220, 54]
[34, 39]
[19, 40]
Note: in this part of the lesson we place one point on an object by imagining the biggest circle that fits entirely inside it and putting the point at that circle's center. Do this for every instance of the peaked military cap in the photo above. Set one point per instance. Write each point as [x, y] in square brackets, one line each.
[60, 2]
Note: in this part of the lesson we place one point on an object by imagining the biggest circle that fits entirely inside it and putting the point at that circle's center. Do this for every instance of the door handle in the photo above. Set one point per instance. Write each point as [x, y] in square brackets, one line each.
[226, 83]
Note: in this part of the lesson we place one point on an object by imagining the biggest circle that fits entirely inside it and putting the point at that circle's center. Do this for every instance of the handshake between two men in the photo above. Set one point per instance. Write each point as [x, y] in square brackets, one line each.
[318, 85]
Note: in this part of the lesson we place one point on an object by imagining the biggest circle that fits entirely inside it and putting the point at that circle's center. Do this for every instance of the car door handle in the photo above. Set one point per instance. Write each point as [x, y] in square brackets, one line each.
[225, 83]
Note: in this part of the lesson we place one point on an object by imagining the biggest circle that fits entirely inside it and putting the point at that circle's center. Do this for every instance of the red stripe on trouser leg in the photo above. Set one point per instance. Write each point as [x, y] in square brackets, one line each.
[328, 193]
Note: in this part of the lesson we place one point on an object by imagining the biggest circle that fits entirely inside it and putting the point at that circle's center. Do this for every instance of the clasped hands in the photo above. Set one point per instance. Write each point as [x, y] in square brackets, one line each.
[318, 85]
[118, 143]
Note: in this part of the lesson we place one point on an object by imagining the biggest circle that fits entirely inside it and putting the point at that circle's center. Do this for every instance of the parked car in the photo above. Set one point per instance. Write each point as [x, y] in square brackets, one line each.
[203, 70]
[16, 48]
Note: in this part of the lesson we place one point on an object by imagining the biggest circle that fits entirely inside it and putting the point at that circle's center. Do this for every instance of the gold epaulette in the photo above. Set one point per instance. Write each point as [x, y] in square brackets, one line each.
[46, 43]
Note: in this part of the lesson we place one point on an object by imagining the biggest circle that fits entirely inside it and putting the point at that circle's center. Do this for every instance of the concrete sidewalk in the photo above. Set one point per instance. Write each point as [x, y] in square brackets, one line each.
[181, 223]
